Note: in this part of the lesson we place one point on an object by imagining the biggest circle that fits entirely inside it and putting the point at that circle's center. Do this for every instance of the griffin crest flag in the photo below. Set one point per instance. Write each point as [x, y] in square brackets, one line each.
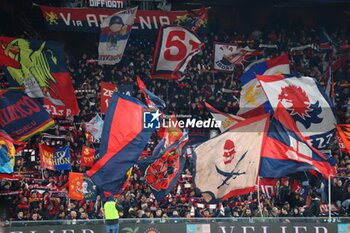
[307, 103]
[163, 168]
[231, 162]
[175, 48]
[42, 73]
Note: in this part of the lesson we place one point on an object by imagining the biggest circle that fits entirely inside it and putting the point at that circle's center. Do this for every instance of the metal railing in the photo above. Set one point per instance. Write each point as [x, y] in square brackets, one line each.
[183, 220]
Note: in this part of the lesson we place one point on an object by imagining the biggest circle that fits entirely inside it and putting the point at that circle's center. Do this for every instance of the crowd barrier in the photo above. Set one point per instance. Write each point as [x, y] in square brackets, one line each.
[182, 225]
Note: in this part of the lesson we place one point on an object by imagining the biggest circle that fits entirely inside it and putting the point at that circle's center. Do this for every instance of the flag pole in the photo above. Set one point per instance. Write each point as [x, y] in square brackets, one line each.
[259, 206]
[329, 199]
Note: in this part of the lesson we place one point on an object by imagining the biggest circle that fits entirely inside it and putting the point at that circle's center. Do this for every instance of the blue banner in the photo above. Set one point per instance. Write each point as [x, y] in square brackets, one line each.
[22, 117]
[62, 159]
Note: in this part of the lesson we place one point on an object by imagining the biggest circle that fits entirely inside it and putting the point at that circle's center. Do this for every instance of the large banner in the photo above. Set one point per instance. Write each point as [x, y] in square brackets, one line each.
[115, 32]
[123, 139]
[279, 226]
[174, 49]
[89, 19]
[42, 73]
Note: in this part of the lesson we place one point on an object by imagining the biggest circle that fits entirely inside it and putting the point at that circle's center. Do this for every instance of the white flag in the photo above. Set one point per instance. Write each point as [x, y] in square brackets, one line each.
[95, 126]
[228, 164]
[115, 31]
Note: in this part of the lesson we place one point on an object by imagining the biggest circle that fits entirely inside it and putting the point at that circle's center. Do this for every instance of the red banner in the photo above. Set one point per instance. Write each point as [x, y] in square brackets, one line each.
[87, 156]
[107, 90]
[89, 19]
[75, 186]
[46, 157]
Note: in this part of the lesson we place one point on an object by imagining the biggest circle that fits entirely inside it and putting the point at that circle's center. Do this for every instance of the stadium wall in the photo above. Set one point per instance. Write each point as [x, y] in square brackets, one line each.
[187, 227]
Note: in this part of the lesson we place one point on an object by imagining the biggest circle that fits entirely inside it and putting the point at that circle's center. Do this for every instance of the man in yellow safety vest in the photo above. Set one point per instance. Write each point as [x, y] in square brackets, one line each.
[111, 215]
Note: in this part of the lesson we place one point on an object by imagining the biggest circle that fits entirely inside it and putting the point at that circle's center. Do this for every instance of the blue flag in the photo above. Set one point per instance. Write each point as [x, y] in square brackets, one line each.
[62, 159]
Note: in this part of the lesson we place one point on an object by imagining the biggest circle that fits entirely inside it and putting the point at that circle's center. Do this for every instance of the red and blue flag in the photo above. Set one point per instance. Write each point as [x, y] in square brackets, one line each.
[41, 72]
[164, 167]
[56, 159]
[286, 150]
[153, 101]
[123, 139]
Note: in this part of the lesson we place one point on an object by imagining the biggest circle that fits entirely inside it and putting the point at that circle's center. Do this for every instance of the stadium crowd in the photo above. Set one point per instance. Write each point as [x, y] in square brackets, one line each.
[42, 194]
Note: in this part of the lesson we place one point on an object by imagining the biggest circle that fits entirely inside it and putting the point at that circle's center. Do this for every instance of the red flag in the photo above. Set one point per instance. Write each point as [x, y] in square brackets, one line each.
[268, 186]
[75, 185]
[87, 156]
[107, 90]
[46, 157]
[64, 91]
